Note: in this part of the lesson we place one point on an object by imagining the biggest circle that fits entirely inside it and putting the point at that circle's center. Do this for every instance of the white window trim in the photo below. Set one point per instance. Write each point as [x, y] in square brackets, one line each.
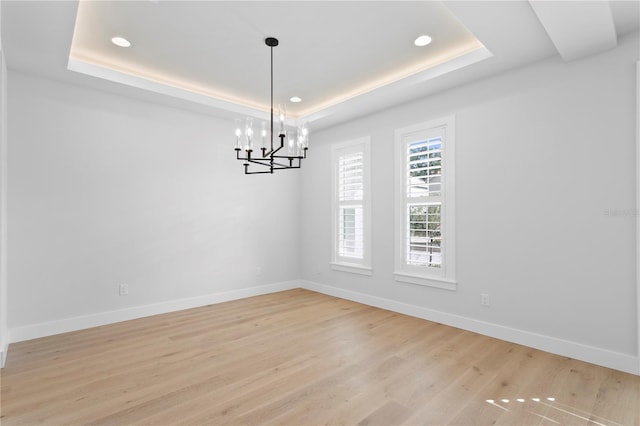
[353, 268]
[343, 264]
[444, 278]
[638, 206]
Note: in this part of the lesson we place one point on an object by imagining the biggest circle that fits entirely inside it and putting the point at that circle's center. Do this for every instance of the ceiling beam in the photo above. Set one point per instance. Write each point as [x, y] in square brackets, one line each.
[577, 28]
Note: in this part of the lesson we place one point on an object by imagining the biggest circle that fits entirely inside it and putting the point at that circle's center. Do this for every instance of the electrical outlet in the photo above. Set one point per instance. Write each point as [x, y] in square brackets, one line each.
[484, 299]
[123, 289]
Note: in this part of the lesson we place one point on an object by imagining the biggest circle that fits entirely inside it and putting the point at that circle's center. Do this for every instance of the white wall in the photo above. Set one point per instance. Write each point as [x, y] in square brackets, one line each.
[543, 153]
[106, 190]
[4, 340]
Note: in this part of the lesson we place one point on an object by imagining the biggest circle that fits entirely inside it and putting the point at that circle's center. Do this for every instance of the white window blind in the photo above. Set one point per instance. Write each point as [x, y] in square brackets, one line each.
[350, 194]
[351, 232]
[424, 160]
[425, 200]
[351, 176]
[351, 205]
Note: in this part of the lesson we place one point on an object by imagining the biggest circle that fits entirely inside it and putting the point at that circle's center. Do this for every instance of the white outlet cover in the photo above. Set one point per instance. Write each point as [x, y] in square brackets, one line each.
[484, 299]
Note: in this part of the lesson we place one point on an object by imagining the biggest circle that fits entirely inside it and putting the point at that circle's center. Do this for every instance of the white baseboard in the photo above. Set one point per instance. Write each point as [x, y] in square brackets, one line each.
[591, 354]
[603, 357]
[35, 331]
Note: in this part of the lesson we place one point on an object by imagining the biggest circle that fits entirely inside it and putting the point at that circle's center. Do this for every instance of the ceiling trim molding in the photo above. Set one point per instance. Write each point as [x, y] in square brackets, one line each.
[360, 102]
[381, 96]
[115, 76]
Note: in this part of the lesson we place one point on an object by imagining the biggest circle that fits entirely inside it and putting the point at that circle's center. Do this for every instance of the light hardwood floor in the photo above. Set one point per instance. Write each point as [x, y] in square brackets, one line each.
[302, 358]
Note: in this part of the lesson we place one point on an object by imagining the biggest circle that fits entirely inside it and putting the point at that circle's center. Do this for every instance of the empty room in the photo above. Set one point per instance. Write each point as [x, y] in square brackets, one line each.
[320, 212]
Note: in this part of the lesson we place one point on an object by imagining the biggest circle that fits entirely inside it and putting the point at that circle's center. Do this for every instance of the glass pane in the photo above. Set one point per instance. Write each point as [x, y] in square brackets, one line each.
[424, 239]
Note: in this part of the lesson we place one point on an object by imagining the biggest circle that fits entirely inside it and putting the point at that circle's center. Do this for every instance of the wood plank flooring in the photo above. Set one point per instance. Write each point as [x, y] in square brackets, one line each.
[302, 358]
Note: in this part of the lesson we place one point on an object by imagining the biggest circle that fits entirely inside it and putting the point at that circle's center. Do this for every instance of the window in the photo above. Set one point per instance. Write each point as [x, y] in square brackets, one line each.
[351, 207]
[425, 202]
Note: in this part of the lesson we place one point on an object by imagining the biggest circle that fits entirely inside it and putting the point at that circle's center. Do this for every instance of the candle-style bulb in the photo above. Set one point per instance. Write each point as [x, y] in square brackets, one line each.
[238, 132]
[305, 135]
[249, 134]
[264, 134]
[282, 113]
[291, 146]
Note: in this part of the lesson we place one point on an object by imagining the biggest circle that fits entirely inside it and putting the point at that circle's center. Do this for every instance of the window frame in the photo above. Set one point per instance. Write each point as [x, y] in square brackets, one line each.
[444, 276]
[346, 263]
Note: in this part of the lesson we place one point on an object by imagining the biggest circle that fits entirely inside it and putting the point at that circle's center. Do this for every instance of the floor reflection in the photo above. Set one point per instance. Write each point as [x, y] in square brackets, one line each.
[549, 409]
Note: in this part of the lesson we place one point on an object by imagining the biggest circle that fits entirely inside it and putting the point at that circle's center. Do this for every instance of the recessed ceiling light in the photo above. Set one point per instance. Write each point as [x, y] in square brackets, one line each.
[423, 40]
[121, 41]
[295, 99]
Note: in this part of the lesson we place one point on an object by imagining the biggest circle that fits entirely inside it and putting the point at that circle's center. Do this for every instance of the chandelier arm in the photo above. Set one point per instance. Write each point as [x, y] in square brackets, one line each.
[268, 157]
[246, 157]
[286, 167]
[268, 154]
[247, 172]
[263, 162]
[270, 163]
[273, 151]
[281, 166]
[276, 166]
[298, 157]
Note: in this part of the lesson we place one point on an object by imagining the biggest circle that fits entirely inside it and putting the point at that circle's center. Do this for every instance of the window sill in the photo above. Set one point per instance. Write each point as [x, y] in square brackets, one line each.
[354, 269]
[436, 282]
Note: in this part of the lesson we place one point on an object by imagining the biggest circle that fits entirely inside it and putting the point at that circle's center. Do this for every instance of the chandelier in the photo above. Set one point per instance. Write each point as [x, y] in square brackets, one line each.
[291, 153]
